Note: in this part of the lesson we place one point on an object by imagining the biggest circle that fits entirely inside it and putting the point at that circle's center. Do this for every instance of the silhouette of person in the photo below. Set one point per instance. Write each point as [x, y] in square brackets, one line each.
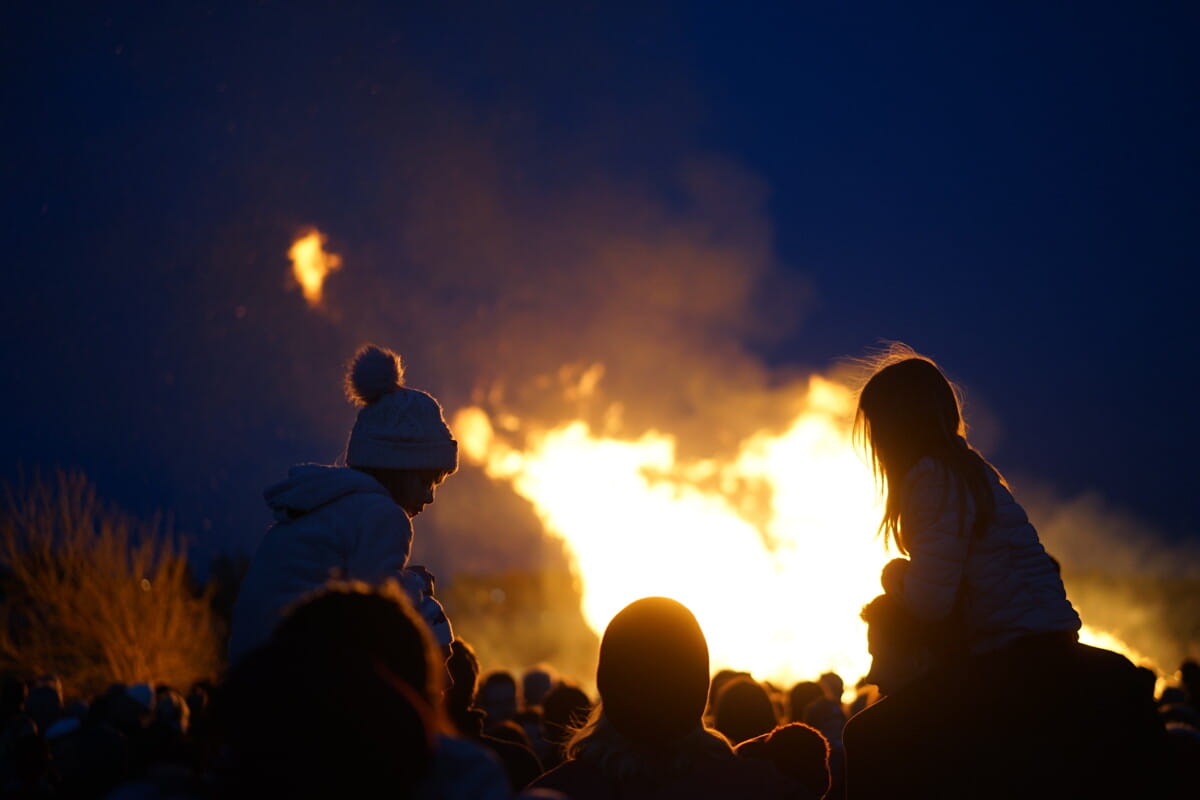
[1083, 729]
[797, 750]
[354, 522]
[744, 710]
[344, 700]
[646, 737]
[520, 763]
[972, 551]
[997, 614]
[910, 743]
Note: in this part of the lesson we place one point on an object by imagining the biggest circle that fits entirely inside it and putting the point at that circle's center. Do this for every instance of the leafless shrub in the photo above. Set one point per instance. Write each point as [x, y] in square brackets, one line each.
[95, 596]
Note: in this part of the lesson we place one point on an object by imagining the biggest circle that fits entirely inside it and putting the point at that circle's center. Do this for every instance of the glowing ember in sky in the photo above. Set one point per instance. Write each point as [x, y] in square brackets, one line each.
[311, 265]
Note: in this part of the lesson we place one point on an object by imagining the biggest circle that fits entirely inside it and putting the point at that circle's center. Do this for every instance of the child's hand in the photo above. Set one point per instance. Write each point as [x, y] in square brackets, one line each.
[892, 576]
[424, 574]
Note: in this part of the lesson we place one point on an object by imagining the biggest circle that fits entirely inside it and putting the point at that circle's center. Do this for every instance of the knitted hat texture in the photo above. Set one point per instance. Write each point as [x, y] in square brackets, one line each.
[397, 427]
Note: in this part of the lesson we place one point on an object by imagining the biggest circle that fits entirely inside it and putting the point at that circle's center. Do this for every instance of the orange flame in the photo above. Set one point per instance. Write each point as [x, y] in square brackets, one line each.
[311, 265]
[777, 592]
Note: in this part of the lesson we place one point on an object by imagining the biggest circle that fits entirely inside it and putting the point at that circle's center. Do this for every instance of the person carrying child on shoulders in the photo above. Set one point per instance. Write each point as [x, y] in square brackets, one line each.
[354, 522]
[1006, 678]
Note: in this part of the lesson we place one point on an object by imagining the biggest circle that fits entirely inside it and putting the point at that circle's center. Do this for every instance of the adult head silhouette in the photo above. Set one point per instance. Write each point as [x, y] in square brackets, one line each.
[340, 701]
[744, 710]
[646, 738]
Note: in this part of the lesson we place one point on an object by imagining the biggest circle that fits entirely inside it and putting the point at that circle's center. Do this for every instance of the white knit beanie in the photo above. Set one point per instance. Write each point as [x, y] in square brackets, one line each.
[397, 427]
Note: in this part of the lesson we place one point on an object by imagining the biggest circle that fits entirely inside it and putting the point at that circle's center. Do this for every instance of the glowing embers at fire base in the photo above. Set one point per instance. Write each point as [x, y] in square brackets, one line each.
[777, 588]
[311, 265]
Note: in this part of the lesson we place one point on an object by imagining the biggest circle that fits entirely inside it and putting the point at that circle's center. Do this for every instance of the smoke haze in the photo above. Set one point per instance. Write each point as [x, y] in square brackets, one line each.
[527, 213]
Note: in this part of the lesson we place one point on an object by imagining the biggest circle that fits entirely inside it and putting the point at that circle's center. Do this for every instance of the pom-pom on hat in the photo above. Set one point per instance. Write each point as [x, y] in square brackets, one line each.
[653, 671]
[397, 427]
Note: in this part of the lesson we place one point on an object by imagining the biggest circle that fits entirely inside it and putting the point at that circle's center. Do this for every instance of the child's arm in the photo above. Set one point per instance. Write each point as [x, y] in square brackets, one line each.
[381, 545]
[936, 538]
[417, 583]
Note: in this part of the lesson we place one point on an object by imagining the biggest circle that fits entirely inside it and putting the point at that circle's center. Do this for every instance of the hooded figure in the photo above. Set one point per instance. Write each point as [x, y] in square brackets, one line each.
[646, 738]
[353, 522]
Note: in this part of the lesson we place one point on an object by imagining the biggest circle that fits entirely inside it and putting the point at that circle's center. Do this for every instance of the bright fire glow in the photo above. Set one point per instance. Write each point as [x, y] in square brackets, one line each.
[311, 265]
[777, 589]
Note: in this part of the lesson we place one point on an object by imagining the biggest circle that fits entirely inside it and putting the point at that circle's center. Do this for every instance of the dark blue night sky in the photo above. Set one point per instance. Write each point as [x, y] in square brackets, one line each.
[1013, 188]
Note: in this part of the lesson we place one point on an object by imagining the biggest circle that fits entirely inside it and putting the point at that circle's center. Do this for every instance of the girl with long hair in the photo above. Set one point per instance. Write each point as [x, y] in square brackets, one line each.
[973, 556]
[993, 685]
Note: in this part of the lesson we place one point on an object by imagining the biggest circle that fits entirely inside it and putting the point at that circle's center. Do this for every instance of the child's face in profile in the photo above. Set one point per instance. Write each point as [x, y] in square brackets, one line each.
[415, 489]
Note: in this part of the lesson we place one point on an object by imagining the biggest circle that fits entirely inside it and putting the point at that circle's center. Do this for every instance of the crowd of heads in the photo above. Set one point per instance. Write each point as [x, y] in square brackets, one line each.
[56, 744]
[361, 689]
[351, 694]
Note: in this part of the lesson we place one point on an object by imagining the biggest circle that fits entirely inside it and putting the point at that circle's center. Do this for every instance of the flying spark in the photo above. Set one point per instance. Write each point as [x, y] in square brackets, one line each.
[311, 265]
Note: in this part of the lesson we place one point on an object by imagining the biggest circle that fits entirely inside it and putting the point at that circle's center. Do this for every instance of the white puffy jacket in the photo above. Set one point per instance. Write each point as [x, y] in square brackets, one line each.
[1011, 586]
[329, 522]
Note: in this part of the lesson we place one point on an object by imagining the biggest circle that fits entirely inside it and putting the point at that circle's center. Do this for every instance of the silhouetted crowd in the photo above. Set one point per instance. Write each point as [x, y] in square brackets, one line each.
[357, 687]
[352, 697]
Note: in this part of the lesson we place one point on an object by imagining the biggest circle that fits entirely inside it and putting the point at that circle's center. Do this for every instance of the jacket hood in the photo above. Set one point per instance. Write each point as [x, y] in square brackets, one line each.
[310, 486]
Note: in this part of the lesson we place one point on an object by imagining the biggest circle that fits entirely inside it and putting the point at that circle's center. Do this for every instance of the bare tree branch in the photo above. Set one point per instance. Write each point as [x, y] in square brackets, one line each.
[95, 596]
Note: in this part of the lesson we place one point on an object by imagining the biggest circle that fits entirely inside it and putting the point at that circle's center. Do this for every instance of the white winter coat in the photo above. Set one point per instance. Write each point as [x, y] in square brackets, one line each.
[1011, 586]
[329, 522]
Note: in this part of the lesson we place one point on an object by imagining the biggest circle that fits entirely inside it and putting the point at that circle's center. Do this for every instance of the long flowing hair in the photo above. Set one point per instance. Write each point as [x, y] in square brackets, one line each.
[908, 410]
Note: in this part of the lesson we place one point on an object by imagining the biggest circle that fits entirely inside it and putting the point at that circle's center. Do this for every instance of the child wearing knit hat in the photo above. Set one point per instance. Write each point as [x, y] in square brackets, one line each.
[354, 521]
